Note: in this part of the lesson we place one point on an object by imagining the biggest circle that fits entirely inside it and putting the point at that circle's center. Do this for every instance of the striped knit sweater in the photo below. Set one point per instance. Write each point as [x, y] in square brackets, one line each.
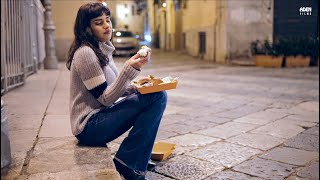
[93, 87]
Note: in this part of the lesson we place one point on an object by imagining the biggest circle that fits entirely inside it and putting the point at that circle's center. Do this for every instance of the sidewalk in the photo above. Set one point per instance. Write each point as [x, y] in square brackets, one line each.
[228, 122]
[42, 144]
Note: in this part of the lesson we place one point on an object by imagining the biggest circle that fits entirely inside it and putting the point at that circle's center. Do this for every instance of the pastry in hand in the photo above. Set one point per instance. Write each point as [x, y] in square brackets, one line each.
[144, 51]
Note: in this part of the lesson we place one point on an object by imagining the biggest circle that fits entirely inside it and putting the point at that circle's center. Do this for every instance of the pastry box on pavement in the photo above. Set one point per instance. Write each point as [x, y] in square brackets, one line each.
[161, 150]
[152, 84]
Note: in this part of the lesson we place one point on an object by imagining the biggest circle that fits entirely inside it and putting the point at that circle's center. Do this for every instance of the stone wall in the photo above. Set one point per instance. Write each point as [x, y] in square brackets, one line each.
[247, 21]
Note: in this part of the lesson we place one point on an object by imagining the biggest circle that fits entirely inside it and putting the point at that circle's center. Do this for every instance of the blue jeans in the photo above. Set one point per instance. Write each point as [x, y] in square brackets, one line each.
[141, 112]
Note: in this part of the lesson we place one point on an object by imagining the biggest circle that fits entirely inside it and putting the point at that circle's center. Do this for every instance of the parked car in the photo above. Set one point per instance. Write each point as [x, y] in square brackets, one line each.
[125, 42]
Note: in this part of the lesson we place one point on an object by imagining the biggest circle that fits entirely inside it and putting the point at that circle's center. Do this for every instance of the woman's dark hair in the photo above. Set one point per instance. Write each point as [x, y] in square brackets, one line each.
[83, 34]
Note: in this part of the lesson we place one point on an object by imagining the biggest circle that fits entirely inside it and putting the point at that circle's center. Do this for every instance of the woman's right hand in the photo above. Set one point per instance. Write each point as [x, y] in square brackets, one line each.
[138, 61]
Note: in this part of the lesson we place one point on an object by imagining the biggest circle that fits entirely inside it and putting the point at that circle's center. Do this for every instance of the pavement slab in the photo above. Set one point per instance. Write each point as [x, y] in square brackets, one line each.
[214, 119]
[59, 105]
[172, 109]
[113, 147]
[259, 141]
[249, 109]
[155, 176]
[200, 124]
[17, 162]
[268, 115]
[184, 127]
[174, 118]
[184, 167]
[163, 135]
[77, 160]
[224, 153]
[179, 128]
[227, 130]
[19, 144]
[205, 111]
[231, 104]
[252, 120]
[265, 169]
[293, 177]
[280, 129]
[232, 114]
[195, 140]
[283, 104]
[304, 141]
[96, 174]
[230, 175]
[23, 122]
[56, 126]
[309, 106]
[310, 172]
[306, 117]
[291, 119]
[313, 131]
[312, 116]
[291, 156]
[188, 142]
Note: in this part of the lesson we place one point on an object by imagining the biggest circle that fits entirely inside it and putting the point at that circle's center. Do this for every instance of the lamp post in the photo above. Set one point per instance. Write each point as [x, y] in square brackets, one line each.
[164, 11]
[50, 61]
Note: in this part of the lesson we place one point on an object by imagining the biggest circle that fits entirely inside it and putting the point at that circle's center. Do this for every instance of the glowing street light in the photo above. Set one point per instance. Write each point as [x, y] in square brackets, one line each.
[164, 4]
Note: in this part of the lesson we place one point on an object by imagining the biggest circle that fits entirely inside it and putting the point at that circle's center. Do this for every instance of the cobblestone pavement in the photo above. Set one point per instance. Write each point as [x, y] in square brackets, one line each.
[228, 122]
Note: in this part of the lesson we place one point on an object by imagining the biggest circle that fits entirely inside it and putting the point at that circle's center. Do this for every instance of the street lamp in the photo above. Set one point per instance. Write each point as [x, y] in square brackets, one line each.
[50, 61]
[164, 10]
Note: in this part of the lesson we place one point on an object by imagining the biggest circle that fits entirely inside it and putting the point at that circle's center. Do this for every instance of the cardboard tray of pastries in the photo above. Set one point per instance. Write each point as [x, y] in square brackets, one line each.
[152, 84]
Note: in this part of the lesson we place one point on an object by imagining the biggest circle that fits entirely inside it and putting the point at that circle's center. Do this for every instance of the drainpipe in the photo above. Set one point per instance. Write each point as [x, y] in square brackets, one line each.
[50, 61]
[215, 27]
[165, 30]
[215, 37]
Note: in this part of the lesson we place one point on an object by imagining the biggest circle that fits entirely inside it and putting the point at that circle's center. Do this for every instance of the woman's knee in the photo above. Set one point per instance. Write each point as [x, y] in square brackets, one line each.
[158, 97]
[163, 96]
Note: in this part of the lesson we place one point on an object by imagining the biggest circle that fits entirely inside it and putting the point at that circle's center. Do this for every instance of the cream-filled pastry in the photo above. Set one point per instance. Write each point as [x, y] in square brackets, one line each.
[144, 51]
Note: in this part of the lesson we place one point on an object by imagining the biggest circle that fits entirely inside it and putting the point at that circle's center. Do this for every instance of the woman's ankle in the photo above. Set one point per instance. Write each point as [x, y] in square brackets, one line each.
[127, 173]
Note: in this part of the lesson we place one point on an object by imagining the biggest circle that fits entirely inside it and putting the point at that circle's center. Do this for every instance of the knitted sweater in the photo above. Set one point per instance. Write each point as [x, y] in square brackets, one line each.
[93, 87]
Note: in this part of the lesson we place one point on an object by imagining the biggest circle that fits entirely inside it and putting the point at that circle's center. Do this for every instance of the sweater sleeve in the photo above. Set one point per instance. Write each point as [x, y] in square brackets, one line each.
[90, 72]
[130, 90]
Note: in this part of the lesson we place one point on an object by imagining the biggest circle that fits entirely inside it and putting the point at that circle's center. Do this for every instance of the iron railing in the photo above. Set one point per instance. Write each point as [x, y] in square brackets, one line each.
[22, 41]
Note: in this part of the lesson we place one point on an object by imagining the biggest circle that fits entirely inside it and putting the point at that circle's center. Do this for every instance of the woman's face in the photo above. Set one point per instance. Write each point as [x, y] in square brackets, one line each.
[102, 27]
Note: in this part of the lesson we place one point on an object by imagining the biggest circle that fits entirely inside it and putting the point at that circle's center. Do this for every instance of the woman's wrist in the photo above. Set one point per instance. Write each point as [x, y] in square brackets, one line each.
[136, 68]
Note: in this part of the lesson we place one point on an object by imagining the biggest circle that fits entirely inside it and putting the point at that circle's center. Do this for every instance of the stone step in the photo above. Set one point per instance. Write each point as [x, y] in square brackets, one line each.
[63, 158]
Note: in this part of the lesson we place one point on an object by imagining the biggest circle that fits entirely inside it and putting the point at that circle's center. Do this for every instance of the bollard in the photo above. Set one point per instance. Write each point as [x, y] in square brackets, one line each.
[5, 142]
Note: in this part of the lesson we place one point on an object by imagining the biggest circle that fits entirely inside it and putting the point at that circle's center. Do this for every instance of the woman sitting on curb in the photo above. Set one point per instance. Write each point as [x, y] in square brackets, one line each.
[96, 85]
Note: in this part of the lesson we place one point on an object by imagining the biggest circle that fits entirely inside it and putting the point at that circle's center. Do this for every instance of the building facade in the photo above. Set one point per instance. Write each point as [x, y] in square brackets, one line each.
[216, 31]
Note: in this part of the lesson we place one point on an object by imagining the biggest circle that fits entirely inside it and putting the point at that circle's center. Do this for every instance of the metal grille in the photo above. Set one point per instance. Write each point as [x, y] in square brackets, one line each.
[22, 41]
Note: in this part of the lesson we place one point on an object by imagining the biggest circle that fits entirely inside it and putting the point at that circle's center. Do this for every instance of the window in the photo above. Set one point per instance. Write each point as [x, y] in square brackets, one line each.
[202, 43]
[183, 41]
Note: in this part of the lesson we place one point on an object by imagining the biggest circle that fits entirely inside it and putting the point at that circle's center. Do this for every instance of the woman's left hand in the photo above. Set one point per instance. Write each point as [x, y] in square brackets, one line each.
[138, 61]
